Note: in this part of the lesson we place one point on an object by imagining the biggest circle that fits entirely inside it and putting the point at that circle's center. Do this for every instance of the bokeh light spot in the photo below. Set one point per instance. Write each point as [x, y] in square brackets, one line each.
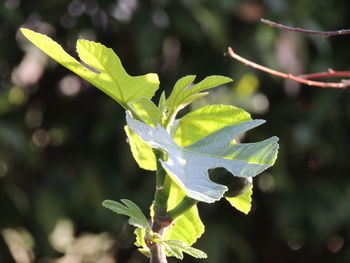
[335, 244]
[40, 138]
[69, 85]
[17, 96]
[56, 136]
[260, 103]
[34, 115]
[76, 8]
[266, 183]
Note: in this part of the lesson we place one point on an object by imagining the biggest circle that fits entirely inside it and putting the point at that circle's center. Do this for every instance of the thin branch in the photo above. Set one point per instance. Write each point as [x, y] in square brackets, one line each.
[329, 74]
[306, 31]
[300, 79]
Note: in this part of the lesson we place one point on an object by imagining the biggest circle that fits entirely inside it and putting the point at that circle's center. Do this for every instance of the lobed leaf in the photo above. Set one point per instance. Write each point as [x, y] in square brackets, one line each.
[183, 93]
[137, 218]
[188, 166]
[111, 77]
[182, 90]
[179, 86]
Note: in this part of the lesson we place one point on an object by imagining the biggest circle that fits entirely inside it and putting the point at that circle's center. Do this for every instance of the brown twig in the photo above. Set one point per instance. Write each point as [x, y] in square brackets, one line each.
[329, 74]
[301, 79]
[307, 31]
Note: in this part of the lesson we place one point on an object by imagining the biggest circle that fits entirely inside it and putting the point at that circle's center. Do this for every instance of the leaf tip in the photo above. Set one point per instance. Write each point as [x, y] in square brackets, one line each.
[152, 78]
[24, 30]
[106, 203]
[27, 32]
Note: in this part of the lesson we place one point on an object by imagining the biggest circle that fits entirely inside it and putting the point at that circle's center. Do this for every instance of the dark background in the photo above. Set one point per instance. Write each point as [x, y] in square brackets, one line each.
[63, 149]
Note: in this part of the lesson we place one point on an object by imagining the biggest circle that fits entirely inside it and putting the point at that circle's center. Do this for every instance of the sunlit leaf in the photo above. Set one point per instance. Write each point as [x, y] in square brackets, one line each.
[188, 166]
[146, 110]
[206, 120]
[141, 151]
[137, 218]
[111, 77]
[140, 234]
[183, 93]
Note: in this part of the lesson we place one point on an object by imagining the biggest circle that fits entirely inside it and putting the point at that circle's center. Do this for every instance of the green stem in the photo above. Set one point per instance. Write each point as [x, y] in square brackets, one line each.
[161, 220]
[182, 207]
[163, 182]
[170, 120]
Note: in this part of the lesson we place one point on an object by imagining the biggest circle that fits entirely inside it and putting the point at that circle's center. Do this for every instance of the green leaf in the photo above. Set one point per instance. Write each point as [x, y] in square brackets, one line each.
[173, 252]
[206, 120]
[187, 130]
[188, 166]
[146, 110]
[161, 103]
[242, 202]
[182, 90]
[176, 247]
[180, 85]
[188, 227]
[137, 218]
[140, 234]
[141, 151]
[183, 93]
[111, 77]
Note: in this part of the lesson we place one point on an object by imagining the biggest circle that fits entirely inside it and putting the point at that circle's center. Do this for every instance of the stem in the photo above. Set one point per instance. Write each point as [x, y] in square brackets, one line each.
[300, 79]
[160, 220]
[306, 31]
[170, 120]
[329, 74]
[182, 207]
[162, 187]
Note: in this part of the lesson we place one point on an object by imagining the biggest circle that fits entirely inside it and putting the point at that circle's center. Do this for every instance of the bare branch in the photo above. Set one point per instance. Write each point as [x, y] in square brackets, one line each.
[329, 74]
[306, 31]
[301, 79]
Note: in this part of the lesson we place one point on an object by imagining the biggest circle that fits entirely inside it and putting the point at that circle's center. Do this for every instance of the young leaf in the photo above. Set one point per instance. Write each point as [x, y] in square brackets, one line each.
[179, 86]
[182, 90]
[111, 77]
[137, 218]
[161, 103]
[140, 234]
[242, 202]
[183, 94]
[188, 166]
[177, 247]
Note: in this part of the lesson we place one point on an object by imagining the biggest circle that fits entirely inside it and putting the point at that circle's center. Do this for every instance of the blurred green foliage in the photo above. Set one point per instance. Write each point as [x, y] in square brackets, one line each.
[63, 149]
